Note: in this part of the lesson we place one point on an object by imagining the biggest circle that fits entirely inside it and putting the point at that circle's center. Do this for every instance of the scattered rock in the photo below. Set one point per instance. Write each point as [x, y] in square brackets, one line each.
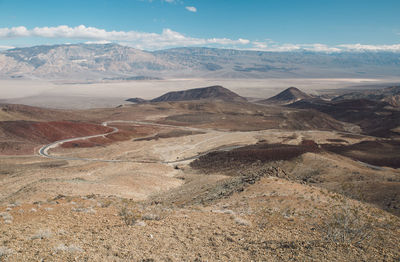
[241, 221]
[140, 223]
[6, 217]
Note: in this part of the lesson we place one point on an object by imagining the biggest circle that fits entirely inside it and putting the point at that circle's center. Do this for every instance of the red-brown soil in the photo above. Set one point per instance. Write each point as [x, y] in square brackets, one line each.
[23, 112]
[21, 137]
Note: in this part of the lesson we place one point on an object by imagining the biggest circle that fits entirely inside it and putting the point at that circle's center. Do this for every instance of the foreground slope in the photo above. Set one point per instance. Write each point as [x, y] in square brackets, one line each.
[267, 218]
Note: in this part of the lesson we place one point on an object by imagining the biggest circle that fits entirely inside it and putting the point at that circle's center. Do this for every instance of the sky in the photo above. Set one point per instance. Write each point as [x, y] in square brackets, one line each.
[267, 25]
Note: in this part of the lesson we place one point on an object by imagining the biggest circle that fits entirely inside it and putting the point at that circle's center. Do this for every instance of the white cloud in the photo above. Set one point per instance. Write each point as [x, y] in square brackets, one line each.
[100, 42]
[321, 48]
[13, 32]
[191, 9]
[169, 38]
[5, 47]
[277, 47]
[260, 45]
[361, 47]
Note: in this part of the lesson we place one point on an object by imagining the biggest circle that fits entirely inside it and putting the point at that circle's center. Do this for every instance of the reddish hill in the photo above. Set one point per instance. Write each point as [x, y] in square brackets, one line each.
[12, 112]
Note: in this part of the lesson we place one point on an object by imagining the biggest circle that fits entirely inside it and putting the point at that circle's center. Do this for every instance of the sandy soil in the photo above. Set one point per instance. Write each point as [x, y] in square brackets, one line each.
[272, 220]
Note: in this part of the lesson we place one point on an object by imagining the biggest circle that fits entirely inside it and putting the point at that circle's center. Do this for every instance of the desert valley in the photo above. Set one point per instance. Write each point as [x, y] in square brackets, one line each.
[204, 174]
[186, 130]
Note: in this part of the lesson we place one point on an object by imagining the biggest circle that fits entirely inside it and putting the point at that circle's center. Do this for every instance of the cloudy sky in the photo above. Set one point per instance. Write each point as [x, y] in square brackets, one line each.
[272, 25]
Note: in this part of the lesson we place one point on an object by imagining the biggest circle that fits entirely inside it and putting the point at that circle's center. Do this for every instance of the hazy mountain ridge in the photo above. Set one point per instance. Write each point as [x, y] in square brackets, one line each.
[112, 61]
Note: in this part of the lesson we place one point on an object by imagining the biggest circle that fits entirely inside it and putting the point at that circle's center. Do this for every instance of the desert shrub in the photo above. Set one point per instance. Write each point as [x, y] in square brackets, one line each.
[106, 203]
[4, 251]
[347, 226]
[127, 216]
[151, 216]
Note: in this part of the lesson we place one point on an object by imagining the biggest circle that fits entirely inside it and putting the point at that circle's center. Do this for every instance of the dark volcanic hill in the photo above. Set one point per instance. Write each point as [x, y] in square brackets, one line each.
[288, 96]
[374, 117]
[211, 92]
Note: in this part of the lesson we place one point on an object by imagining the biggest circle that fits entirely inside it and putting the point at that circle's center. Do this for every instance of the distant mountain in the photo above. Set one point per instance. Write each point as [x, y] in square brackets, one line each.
[211, 92]
[288, 96]
[81, 61]
[391, 95]
[97, 62]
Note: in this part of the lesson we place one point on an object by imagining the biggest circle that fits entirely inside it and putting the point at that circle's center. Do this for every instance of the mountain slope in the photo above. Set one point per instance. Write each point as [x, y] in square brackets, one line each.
[211, 92]
[374, 117]
[288, 96]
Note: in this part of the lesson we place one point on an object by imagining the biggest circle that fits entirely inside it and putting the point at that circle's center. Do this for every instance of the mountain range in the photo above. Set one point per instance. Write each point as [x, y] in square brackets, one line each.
[107, 62]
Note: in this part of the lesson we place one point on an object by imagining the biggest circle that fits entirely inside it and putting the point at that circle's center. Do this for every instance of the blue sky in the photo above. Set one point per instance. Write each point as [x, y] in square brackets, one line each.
[280, 25]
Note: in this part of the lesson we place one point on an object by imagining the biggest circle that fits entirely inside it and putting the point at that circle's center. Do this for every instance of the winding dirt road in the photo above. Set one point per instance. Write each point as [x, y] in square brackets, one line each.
[44, 150]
